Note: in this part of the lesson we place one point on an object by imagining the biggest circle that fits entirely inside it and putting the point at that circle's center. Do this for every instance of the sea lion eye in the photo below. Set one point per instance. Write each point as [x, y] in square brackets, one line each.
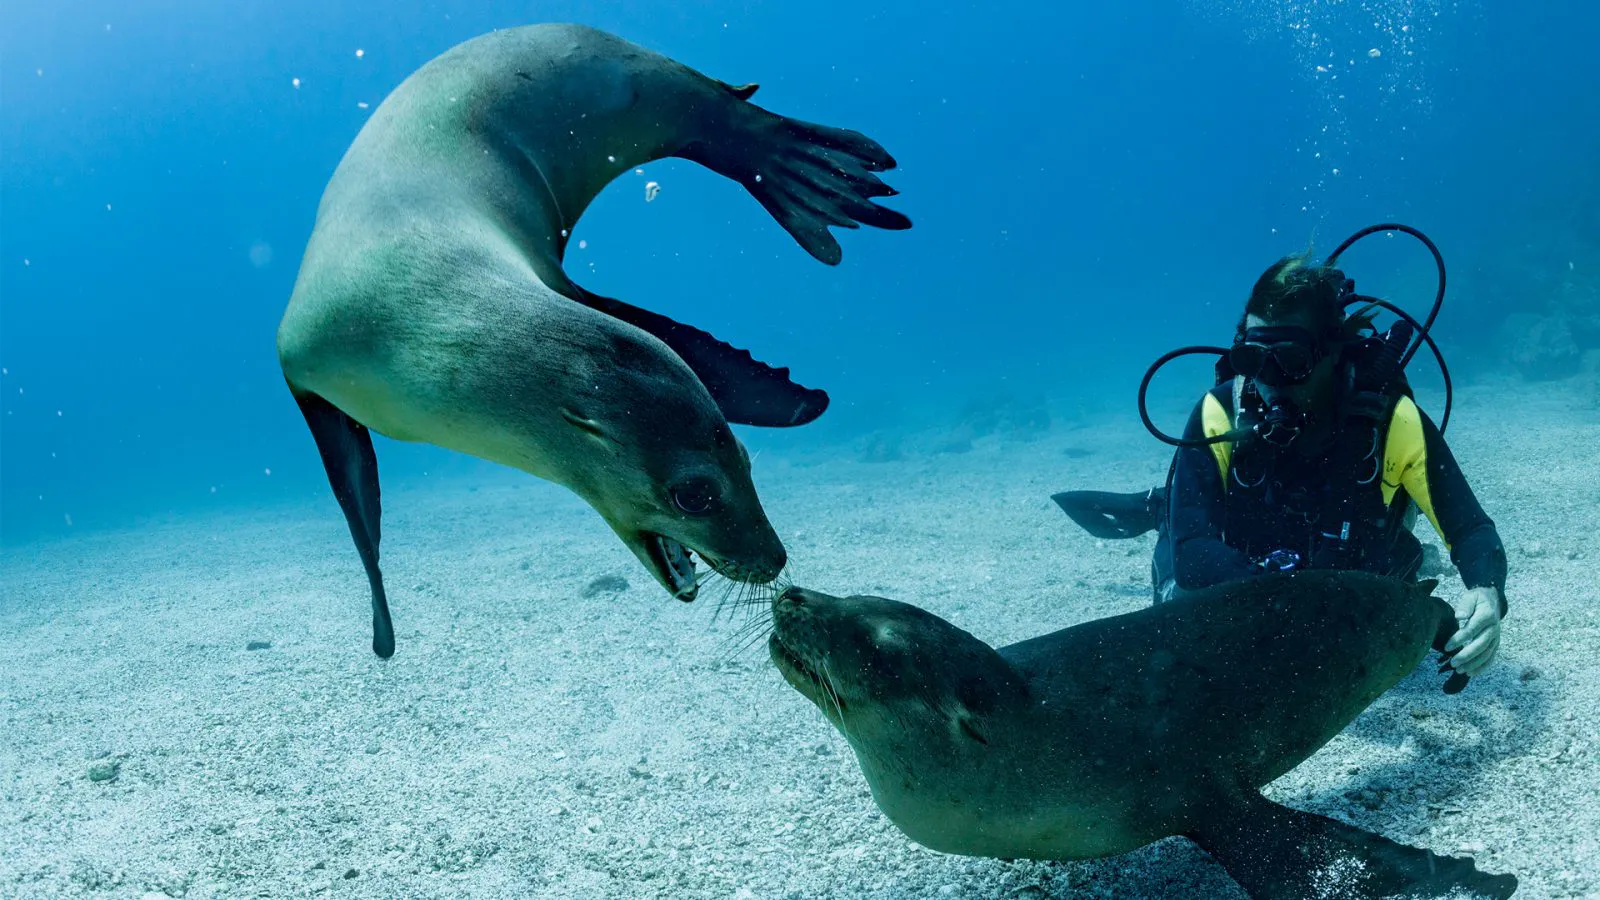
[696, 496]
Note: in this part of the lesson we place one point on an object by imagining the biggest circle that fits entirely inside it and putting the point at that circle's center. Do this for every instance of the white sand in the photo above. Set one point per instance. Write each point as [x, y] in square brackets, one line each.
[527, 740]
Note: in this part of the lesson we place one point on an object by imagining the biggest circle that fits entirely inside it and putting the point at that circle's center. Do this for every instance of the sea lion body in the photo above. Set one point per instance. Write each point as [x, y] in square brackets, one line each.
[1103, 737]
[432, 306]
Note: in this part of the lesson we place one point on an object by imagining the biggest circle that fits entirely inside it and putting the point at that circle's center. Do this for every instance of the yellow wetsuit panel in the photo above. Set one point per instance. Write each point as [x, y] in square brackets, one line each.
[1214, 421]
[1405, 461]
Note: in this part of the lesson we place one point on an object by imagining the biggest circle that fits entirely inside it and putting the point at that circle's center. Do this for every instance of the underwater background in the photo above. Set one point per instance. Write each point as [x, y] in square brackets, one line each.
[1091, 184]
[189, 705]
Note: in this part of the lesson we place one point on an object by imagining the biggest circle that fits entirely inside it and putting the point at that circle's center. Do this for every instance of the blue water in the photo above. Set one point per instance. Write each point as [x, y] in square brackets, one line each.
[1090, 185]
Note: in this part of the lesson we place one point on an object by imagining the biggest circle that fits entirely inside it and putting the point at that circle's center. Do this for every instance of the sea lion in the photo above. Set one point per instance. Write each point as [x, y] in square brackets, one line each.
[431, 304]
[1103, 737]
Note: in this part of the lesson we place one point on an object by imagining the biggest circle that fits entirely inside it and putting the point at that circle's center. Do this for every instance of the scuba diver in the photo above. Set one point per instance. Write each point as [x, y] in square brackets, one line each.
[1310, 452]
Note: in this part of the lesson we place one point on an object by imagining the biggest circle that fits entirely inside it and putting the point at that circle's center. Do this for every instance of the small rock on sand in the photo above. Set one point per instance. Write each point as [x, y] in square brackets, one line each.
[606, 584]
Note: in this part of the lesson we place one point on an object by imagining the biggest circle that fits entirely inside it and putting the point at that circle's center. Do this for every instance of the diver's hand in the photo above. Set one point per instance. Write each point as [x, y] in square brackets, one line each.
[1478, 630]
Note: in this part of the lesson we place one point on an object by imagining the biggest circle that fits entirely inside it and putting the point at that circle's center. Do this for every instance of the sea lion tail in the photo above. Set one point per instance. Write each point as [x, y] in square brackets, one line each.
[1276, 852]
[352, 466]
[809, 177]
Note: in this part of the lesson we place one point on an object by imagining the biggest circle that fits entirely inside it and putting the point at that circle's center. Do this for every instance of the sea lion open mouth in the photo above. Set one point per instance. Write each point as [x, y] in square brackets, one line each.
[674, 562]
[674, 565]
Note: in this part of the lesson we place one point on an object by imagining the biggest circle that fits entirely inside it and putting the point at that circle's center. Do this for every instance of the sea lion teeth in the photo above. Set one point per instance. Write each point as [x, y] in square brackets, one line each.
[681, 572]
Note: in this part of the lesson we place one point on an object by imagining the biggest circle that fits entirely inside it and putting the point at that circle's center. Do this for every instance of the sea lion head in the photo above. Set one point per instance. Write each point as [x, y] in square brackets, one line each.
[910, 691]
[661, 465]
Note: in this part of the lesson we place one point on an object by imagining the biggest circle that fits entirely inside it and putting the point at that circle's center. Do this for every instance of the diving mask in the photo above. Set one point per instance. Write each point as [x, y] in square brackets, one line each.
[1276, 355]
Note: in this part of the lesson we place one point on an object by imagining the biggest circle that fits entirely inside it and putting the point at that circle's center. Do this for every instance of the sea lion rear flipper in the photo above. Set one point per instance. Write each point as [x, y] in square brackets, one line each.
[807, 176]
[748, 392]
[1113, 516]
[352, 466]
[1447, 630]
[1276, 852]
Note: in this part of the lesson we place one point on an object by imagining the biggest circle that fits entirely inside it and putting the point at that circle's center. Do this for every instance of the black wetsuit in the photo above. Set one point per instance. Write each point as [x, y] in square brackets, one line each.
[1346, 506]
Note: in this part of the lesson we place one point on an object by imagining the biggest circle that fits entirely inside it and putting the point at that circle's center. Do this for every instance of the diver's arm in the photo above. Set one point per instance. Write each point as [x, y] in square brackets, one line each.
[1195, 506]
[1474, 543]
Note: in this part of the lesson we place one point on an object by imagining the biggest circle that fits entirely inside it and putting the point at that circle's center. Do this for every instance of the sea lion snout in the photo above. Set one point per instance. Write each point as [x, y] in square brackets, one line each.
[757, 564]
[794, 594]
[796, 615]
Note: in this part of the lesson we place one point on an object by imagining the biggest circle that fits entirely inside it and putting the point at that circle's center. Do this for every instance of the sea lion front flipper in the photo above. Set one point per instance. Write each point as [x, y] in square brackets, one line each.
[807, 176]
[1276, 852]
[748, 391]
[352, 466]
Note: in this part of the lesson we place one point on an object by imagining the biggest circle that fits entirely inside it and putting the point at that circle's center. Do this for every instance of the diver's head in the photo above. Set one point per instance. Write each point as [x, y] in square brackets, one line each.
[1289, 339]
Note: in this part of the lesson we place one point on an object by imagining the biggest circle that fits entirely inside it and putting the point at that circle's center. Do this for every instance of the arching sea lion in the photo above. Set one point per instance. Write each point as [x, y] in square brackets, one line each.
[432, 306]
[1103, 737]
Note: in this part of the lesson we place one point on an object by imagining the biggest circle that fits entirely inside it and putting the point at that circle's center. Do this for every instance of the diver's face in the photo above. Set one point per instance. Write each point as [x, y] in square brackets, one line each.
[1312, 392]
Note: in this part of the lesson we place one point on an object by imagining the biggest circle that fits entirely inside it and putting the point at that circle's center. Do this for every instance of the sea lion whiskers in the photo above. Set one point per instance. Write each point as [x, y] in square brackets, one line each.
[825, 679]
[757, 626]
[728, 588]
[745, 595]
[755, 631]
[756, 638]
[754, 628]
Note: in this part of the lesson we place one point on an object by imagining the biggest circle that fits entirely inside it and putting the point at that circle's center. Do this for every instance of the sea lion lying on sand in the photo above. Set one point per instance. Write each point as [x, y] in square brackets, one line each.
[1103, 737]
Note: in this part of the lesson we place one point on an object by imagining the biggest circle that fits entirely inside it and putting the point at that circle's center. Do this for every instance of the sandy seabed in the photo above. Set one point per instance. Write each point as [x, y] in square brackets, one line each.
[538, 735]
